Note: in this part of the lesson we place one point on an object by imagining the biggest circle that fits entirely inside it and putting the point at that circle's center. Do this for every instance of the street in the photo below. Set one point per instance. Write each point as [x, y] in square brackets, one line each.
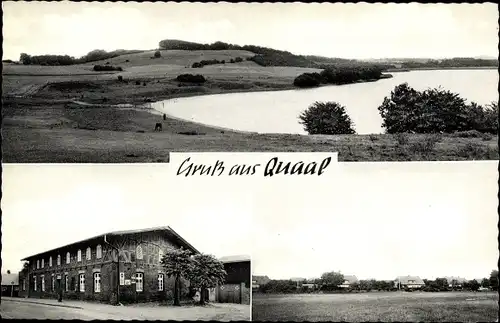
[20, 308]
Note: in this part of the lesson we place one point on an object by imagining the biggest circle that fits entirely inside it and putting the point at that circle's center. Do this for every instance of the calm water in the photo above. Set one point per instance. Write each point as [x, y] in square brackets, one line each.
[277, 112]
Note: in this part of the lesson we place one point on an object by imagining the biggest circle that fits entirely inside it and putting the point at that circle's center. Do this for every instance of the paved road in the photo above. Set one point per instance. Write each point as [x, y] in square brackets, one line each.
[50, 309]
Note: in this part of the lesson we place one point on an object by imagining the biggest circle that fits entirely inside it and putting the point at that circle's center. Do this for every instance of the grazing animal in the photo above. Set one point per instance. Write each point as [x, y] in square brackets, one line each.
[158, 126]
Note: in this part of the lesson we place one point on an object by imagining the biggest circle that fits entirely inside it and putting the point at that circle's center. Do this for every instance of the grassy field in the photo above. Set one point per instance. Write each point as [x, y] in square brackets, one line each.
[42, 124]
[378, 306]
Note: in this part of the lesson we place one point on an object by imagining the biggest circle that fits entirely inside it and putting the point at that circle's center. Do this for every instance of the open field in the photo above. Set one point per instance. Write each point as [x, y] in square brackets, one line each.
[41, 122]
[378, 306]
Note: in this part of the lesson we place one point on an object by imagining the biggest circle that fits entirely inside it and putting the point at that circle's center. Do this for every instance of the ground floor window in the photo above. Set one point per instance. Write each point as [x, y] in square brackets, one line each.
[42, 277]
[24, 284]
[82, 282]
[53, 283]
[122, 279]
[97, 282]
[66, 283]
[139, 282]
[34, 283]
[160, 282]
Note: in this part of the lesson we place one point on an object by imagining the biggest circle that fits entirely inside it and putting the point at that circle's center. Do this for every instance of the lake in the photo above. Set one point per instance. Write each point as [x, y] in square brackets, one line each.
[278, 111]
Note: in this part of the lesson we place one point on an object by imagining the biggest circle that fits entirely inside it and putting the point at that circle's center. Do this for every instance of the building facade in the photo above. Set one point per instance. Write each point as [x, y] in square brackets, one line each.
[237, 285]
[409, 282]
[87, 270]
[10, 285]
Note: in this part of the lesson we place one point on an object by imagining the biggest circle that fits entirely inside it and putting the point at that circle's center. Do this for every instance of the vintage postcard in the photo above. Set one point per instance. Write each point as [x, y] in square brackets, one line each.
[95, 237]
[384, 242]
[90, 82]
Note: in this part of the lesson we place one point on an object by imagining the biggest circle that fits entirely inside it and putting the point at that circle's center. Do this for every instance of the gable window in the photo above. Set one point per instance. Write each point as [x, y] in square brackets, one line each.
[98, 251]
[79, 255]
[59, 260]
[43, 264]
[50, 261]
[138, 252]
[42, 278]
[89, 254]
[97, 282]
[160, 282]
[37, 264]
[139, 280]
[34, 283]
[82, 282]
[160, 255]
[66, 283]
[122, 279]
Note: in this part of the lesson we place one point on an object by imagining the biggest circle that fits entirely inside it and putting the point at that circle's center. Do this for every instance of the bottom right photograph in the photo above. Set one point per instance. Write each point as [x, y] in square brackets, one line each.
[381, 242]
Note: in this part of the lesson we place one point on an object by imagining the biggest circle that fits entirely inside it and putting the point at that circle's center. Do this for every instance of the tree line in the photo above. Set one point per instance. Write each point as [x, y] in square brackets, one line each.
[331, 281]
[215, 61]
[452, 62]
[55, 60]
[407, 110]
[339, 75]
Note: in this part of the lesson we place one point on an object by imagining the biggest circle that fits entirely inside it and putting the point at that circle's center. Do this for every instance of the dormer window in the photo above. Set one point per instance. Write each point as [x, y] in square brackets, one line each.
[89, 254]
[79, 255]
[98, 251]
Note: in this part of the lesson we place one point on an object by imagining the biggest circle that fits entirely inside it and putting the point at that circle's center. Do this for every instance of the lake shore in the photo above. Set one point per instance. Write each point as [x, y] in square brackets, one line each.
[45, 127]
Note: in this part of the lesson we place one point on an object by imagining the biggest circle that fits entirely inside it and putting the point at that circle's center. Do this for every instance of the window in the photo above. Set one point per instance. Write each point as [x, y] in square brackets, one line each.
[34, 283]
[139, 277]
[89, 254]
[37, 264]
[79, 255]
[43, 264]
[98, 251]
[68, 257]
[122, 279]
[42, 278]
[74, 284]
[24, 284]
[53, 283]
[160, 255]
[97, 282]
[50, 261]
[160, 282]
[138, 252]
[59, 260]
[82, 282]
[66, 283]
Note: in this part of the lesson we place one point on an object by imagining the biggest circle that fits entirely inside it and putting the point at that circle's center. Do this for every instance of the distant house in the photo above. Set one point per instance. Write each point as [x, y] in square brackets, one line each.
[348, 281]
[309, 285]
[259, 280]
[10, 284]
[409, 282]
[236, 288]
[455, 281]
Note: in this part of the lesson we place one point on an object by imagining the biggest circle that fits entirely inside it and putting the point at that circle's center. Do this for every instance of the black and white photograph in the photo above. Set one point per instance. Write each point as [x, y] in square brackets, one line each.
[129, 82]
[384, 242]
[116, 243]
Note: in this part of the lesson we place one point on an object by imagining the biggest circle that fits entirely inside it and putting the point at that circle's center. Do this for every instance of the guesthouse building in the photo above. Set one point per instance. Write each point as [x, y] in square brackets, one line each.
[115, 267]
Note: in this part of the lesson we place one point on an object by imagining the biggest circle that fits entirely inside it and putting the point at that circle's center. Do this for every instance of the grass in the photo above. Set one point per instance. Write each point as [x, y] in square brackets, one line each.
[40, 124]
[377, 306]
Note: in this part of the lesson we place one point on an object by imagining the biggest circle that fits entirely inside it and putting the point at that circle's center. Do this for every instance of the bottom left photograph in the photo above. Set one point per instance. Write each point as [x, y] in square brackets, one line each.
[104, 242]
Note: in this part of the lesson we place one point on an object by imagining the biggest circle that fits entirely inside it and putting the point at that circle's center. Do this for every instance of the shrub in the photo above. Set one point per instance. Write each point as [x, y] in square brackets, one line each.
[427, 145]
[120, 78]
[190, 78]
[308, 80]
[232, 60]
[402, 138]
[238, 60]
[137, 82]
[196, 65]
[157, 54]
[328, 118]
[223, 62]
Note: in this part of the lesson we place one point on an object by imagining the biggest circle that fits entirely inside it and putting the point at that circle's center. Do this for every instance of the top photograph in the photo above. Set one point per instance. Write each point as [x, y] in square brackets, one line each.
[91, 82]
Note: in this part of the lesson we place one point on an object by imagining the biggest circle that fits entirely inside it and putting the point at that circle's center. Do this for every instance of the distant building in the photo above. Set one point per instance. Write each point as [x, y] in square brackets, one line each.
[10, 285]
[236, 288]
[259, 280]
[455, 281]
[87, 269]
[409, 282]
[348, 281]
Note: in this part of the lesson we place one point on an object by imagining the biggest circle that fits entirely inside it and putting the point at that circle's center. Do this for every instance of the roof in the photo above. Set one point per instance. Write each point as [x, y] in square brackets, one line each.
[236, 258]
[10, 279]
[405, 280]
[297, 279]
[350, 278]
[125, 232]
[459, 280]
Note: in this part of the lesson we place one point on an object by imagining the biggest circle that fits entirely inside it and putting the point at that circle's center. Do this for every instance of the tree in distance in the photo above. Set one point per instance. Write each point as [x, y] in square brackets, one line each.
[326, 118]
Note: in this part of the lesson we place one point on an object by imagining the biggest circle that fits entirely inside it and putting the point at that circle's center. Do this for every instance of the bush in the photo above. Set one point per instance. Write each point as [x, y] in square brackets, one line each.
[238, 60]
[308, 80]
[402, 138]
[190, 78]
[120, 78]
[328, 118]
[232, 60]
[435, 111]
[157, 54]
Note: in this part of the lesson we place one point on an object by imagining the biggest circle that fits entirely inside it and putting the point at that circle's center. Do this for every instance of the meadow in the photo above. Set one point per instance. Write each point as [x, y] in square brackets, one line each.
[378, 306]
[42, 123]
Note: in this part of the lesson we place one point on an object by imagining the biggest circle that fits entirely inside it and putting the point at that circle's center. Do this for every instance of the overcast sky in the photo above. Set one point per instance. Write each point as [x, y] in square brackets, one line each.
[381, 220]
[333, 30]
[44, 207]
